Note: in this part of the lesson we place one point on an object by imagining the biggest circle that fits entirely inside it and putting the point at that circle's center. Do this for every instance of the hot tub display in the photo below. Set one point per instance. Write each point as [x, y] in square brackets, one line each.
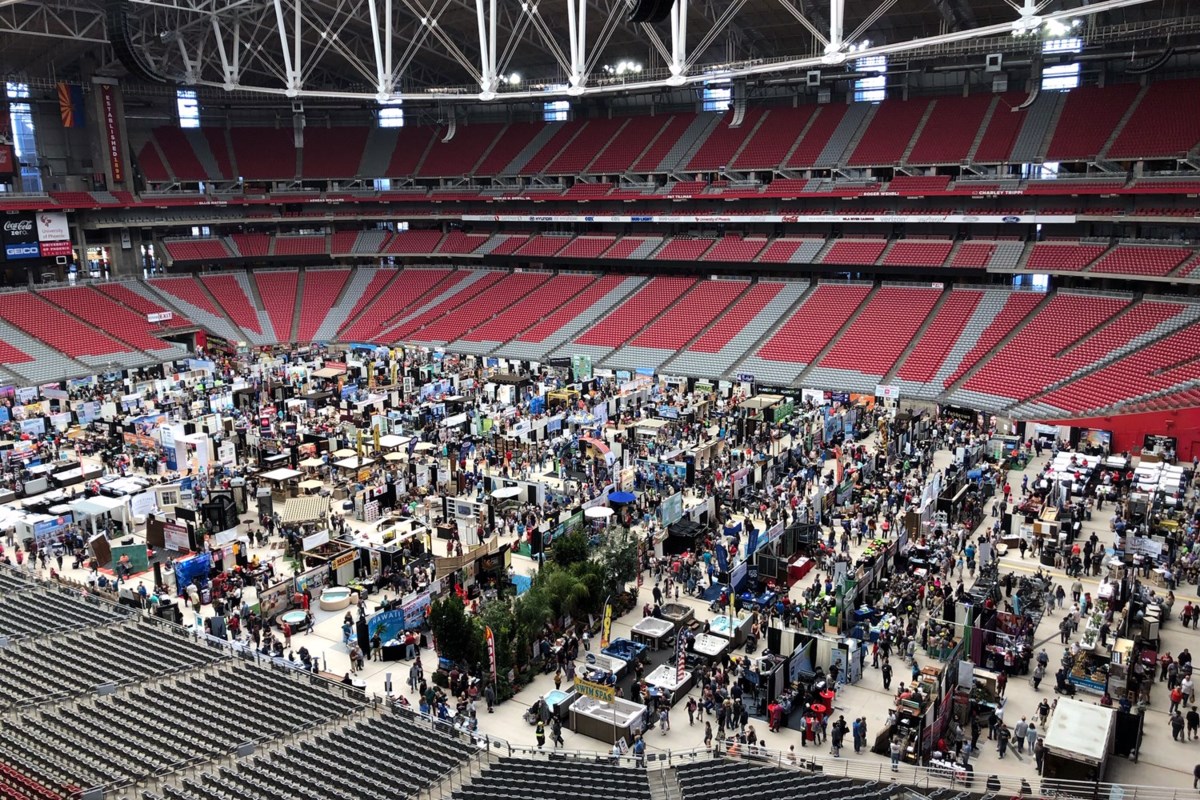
[625, 650]
[652, 631]
[335, 598]
[678, 614]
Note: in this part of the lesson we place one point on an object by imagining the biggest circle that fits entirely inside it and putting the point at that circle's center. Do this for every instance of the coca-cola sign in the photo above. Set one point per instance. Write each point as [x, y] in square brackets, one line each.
[20, 229]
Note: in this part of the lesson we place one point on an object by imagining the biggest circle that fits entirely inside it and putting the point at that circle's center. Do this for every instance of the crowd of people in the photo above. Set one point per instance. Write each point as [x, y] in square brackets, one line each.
[944, 563]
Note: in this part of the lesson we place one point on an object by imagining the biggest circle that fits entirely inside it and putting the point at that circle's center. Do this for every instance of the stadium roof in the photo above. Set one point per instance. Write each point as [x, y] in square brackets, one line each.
[466, 50]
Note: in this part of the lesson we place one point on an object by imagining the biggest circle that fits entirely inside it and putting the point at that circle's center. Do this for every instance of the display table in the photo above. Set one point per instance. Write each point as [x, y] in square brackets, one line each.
[651, 631]
[597, 667]
[665, 679]
[77, 475]
[799, 568]
[335, 598]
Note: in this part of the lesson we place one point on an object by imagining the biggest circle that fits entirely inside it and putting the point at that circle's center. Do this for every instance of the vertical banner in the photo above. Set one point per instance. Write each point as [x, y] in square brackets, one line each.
[491, 646]
[112, 132]
[680, 657]
[606, 625]
[70, 105]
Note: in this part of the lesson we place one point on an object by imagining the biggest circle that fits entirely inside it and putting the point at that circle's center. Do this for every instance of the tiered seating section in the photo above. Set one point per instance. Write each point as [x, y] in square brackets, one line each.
[41, 671]
[920, 130]
[519, 779]
[387, 757]
[962, 345]
[64, 645]
[739, 780]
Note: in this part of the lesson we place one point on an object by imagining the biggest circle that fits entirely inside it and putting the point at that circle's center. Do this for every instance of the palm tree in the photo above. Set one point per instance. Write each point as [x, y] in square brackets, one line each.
[565, 592]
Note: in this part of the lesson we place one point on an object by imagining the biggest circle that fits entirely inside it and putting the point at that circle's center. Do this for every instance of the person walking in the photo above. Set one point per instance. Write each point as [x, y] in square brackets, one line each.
[1177, 723]
[1019, 731]
[556, 737]
[886, 670]
[1002, 737]
[540, 733]
[894, 749]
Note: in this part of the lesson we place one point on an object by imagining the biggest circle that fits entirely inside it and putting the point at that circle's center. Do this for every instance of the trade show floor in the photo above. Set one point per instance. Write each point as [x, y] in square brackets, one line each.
[1163, 762]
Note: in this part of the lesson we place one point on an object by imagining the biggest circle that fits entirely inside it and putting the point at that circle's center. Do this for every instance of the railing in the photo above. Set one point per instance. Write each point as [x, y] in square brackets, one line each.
[878, 770]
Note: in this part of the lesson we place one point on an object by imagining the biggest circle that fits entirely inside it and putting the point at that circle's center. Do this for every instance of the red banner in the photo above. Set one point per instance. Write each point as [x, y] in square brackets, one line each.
[112, 132]
[491, 646]
[6, 159]
[56, 249]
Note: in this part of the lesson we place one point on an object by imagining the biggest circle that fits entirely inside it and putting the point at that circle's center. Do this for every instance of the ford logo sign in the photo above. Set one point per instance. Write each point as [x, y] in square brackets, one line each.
[1010, 219]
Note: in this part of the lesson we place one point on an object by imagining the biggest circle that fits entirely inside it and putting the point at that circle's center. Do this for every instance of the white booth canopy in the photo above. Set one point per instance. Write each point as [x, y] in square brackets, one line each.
[281, 474]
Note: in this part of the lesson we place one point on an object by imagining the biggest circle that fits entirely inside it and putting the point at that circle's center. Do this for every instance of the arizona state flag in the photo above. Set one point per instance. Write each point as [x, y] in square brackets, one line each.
[70, 105]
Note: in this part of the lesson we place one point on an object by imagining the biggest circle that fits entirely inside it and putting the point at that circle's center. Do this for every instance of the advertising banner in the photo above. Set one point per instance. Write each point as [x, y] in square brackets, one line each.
[112, 132]
[52, 249]
[20, 237]
[952, 219]
[52, 226]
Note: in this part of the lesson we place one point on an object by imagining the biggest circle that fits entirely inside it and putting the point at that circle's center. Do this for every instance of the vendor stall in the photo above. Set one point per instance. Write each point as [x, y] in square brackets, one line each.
[1078, 741]
[283, 483]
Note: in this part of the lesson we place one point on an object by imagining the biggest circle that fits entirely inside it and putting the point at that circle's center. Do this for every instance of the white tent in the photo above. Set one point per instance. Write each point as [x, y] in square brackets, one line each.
[94, 507]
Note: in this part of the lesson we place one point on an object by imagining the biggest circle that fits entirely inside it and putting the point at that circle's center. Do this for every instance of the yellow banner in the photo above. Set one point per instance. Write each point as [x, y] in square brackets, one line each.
[597, 691]
[606, 626]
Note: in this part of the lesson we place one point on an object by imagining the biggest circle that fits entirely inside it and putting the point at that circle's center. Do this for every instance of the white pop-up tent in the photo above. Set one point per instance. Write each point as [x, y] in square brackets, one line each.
[94, 508]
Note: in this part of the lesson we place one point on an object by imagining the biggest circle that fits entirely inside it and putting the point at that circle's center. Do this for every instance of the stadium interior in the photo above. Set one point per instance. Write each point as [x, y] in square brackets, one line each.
[987, 205]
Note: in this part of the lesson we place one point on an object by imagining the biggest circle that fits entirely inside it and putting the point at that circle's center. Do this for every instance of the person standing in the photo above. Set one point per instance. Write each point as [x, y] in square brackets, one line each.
[1002, 737]
[540, 733]
[886, 669]
[894, 749]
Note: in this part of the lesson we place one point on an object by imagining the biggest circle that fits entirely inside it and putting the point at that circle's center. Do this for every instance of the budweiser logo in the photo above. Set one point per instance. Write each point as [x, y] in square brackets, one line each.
[18, 226]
